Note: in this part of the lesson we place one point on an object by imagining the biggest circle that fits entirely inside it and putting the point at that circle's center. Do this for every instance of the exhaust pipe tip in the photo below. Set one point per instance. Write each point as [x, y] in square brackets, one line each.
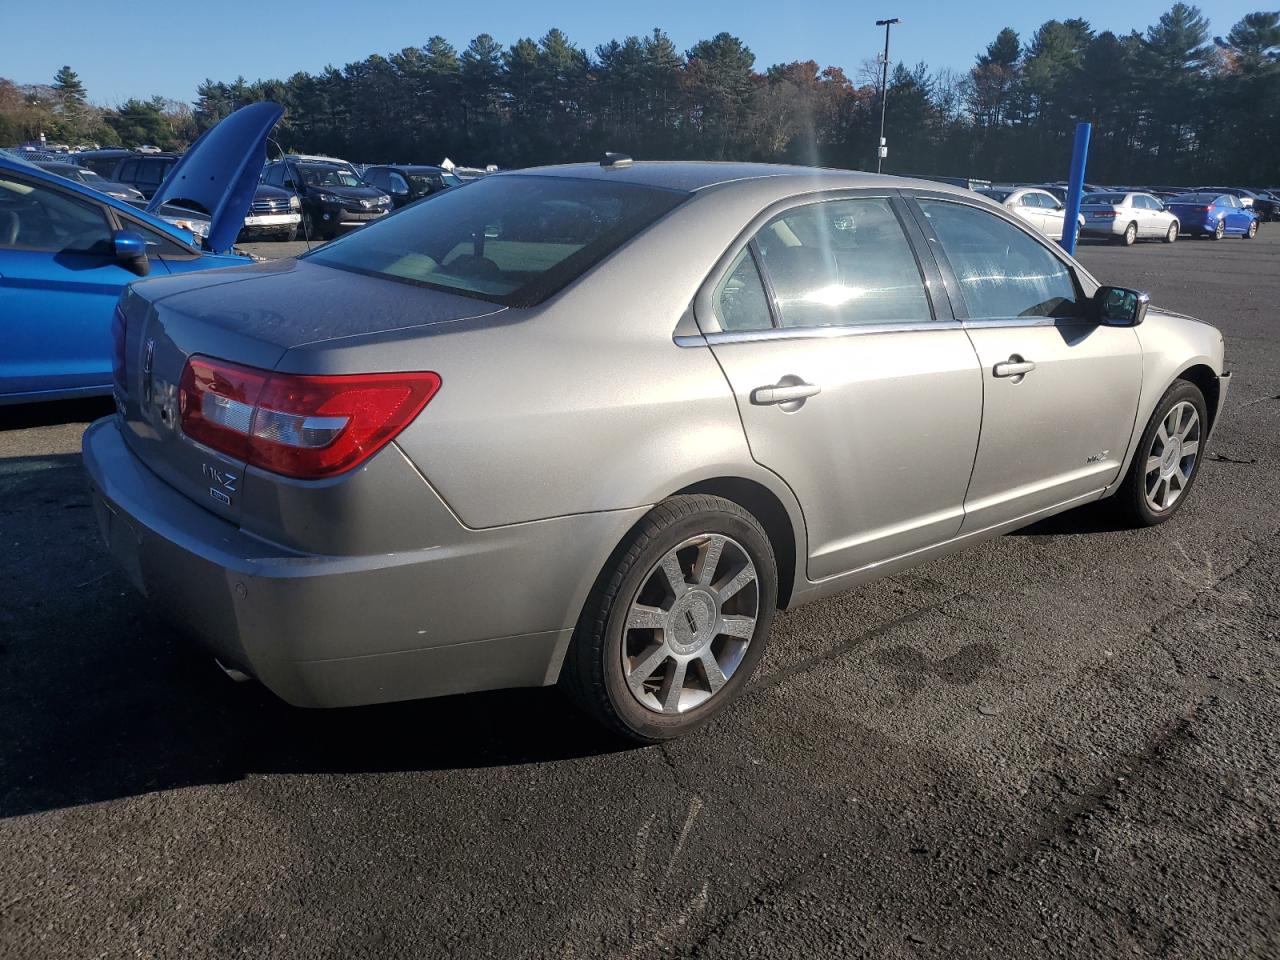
[239, 676]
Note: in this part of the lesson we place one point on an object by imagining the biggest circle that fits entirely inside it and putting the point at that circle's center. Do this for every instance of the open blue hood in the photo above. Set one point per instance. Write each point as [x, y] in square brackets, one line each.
[220, 172]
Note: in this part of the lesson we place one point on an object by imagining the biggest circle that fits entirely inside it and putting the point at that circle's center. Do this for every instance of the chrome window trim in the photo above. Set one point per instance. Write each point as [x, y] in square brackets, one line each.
[996, 322]
[816, 333]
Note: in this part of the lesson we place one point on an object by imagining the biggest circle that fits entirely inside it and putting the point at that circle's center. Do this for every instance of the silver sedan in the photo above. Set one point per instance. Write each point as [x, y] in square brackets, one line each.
[594, 424]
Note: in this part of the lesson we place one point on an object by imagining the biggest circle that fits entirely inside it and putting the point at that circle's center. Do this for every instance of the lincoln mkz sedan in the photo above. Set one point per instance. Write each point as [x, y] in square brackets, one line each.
[594, 424]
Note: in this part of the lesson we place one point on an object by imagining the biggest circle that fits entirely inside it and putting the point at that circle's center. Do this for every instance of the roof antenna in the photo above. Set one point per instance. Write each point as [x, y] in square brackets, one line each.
[614, 161]
[293, 186]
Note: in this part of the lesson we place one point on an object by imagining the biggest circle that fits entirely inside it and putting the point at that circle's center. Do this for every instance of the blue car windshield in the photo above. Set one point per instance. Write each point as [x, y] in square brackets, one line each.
[511, 239]
[1205, 198]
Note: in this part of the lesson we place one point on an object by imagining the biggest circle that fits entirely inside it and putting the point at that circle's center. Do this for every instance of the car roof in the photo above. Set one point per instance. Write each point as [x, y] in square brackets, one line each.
[72, 186]
[406, 166]
[693, 175]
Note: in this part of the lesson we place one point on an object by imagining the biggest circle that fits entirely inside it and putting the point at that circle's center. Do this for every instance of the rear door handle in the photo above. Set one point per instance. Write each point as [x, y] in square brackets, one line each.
[784, 393]
[1014, 367]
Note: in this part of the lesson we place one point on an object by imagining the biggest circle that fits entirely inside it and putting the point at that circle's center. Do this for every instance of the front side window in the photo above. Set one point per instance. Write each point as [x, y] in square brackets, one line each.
[1003, 272]
[510, 239]
[842, 262]
[34, 217]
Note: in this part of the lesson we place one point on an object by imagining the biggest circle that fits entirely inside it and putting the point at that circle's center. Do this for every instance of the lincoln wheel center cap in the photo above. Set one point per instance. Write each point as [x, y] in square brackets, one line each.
[1172, 455]
[693, 620]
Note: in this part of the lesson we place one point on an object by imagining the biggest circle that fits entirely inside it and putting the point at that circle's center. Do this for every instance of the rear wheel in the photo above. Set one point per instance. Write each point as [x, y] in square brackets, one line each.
[1252, 231]
[677, 621]
[1167, 459]
[1130, 235]
[1172, 235]
[1220, 230]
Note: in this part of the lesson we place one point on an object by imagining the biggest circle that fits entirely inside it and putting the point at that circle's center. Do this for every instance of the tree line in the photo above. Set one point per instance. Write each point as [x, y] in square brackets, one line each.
[1169, 104]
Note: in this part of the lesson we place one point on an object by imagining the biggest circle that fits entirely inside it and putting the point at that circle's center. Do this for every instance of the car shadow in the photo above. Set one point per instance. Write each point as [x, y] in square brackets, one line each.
[1091, 518]
[99, 699]
[27, 415]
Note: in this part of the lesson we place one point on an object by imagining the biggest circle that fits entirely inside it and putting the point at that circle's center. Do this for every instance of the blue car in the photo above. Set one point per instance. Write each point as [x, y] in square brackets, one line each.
[67, 251]
[1215, 215]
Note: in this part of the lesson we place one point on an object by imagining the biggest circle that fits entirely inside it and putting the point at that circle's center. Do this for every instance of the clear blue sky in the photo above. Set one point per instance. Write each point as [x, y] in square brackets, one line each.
[121, 53]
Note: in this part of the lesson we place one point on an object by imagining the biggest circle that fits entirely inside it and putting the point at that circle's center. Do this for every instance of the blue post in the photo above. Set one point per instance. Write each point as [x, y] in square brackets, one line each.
[1075, 186]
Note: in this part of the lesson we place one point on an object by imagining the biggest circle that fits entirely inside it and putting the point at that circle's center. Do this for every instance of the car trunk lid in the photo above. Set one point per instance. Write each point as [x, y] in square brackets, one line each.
[250, 317]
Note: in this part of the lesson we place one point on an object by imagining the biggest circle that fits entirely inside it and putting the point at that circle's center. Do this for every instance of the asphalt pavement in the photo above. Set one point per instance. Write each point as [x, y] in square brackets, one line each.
[1060, 743]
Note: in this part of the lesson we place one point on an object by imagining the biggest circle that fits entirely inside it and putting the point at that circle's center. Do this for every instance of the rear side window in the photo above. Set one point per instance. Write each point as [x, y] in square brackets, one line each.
[741, 303]
[840, 263]
[510, 239]
[1003, 272]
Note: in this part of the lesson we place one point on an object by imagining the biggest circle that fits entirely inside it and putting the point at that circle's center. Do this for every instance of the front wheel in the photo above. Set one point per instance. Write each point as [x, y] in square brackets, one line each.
[677, 621]
[1172, 235]
[1167, 459]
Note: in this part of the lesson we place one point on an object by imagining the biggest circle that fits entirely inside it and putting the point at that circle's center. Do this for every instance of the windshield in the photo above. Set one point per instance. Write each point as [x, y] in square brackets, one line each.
[1116, 198]
[998, 195]
[330, 177]
[1195, 198]
[450, 180]
[514, 240]
[87, 176]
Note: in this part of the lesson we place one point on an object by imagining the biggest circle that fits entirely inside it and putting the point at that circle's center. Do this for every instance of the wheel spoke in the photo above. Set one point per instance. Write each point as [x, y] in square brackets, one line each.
[740, 627]
[673, 687]
[708, 560]
[675, 575]
[734, 586]
[1193, 421]
[646, 668]
[644, 617]
[1153, 464]
[711, 667]
[1190, 448]
[1163, 436]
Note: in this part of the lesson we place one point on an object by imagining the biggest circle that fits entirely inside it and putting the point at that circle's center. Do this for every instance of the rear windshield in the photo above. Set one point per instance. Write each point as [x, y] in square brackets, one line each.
[1000, 196]
[1195, 198]
[512, 239]
[1117, 198]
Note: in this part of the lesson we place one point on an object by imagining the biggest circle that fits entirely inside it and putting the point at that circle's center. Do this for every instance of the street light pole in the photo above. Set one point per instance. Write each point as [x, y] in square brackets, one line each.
[882, 149]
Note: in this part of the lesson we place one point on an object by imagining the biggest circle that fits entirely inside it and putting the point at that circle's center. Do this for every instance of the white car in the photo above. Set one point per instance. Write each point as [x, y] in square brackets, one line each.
[1039, 208]
[1127, 217]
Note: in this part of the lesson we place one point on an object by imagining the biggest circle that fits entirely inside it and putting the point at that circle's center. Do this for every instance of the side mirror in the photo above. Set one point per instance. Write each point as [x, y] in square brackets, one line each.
[131, 251]
[1121, 307]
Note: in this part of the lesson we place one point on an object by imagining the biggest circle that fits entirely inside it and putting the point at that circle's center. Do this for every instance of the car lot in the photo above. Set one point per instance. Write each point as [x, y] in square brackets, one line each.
[1059, 743]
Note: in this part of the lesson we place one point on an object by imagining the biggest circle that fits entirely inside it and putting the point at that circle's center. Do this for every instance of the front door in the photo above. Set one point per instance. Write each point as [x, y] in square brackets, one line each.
[849, 389]
[59, 281]
[1060, 389]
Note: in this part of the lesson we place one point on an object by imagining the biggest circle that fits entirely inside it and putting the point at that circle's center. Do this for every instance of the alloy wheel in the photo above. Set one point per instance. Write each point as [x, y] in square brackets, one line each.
[1220, 230]
[690, 623]
[1130, 234]
[1172, 456]
[1172, 235]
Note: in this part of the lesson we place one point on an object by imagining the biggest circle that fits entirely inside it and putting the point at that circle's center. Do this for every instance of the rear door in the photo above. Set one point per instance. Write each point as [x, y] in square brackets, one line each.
[1060, 389]
[59, 281]
[854, 386]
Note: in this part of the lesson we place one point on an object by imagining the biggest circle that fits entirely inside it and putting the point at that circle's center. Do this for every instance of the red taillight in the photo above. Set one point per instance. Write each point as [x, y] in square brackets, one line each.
[1106, 214]
[296, 424]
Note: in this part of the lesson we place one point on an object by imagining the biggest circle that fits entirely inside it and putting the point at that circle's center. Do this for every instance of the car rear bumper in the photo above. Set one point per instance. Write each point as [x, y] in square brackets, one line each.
[1114, 227]
[322, 631]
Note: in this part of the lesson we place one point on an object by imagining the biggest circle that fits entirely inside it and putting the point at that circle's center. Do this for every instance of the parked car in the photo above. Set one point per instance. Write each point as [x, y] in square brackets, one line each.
[407, 182]
[1127, 217]
[333, 195]
[1039, 208]
[594, 424]
[274, 214]
[102, 162]
[1214, 215]
[1058, 190]
[121, 191]
[67, 251]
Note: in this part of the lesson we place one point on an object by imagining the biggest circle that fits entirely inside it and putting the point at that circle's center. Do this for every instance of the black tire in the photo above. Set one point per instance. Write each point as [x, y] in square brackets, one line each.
[1219, 231]
[1131, 503]
[1130, 235]
[1252, 231]
[308, 225]
[592, 674]
[1171, 236]
[288, 236]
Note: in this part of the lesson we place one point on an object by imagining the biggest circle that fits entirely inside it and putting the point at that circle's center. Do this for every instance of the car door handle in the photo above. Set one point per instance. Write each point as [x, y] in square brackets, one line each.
[784, 393]
[1014, 367]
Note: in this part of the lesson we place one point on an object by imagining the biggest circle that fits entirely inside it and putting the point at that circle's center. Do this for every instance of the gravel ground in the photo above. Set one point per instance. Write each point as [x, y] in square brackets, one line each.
[1061, 743]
